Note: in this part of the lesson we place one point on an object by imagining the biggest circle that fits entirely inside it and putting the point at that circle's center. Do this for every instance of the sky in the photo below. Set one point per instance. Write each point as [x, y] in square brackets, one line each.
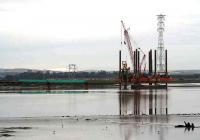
[51, 34]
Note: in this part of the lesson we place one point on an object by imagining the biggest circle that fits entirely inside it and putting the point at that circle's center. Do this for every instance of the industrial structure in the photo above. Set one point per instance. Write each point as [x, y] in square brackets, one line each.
[161, 55]
[138, 76]
[72, 70]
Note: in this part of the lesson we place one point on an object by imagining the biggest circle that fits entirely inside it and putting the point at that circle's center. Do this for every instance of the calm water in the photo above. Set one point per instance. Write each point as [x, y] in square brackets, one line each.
[100, 102]
[83, 107]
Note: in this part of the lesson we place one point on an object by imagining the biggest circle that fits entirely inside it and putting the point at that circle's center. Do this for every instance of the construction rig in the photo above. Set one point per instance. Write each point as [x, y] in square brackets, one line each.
[137, 76]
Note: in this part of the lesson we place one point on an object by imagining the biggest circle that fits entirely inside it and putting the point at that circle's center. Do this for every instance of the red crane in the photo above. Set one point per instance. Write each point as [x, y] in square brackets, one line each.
[128, 42]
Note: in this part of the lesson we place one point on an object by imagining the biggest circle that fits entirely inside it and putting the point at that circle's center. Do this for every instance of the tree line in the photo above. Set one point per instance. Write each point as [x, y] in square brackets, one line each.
[61, 75]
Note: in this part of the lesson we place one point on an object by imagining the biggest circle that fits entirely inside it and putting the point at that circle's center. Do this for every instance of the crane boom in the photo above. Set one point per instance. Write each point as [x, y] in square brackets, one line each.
[142, 61]
[128, 42]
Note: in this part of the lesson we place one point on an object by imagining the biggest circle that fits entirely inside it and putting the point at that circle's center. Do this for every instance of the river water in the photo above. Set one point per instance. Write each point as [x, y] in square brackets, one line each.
[100, 102]
[100, 114]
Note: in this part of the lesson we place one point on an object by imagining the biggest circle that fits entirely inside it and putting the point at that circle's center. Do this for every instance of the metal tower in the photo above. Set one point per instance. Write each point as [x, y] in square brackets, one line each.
[161, 56]
[72, 70]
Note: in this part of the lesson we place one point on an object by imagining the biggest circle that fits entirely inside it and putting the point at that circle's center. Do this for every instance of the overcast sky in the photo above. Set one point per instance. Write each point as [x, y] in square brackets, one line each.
[50, 34]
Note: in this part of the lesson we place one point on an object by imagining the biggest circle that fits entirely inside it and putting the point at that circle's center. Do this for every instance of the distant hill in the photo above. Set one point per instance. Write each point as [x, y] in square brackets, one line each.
[13, 72]
[185, 72]
[5, 72]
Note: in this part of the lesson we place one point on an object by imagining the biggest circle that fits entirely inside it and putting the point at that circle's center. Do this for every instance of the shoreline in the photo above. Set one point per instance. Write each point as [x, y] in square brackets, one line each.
[94, 117]
[99, 127]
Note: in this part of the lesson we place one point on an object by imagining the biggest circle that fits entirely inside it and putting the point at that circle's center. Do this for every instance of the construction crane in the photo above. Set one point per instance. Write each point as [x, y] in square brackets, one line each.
[143, 61]
[139, 75]
[127, 42]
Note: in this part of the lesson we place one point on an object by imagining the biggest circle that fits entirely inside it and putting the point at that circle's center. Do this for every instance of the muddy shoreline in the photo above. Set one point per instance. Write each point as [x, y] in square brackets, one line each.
[99, 127]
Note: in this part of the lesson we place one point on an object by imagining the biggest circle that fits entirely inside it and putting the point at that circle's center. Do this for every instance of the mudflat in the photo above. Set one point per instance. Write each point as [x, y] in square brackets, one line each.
[151, 127]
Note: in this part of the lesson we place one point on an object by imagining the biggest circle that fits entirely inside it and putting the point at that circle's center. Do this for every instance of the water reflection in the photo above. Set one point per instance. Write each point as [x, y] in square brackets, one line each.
[143, 102]
[151, 128]
[52, 91]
